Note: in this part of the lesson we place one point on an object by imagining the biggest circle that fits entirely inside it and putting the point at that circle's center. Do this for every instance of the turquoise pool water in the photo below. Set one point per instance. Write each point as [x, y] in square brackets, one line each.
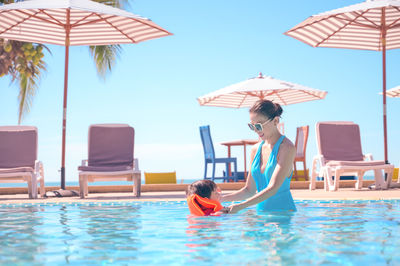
[159, 233]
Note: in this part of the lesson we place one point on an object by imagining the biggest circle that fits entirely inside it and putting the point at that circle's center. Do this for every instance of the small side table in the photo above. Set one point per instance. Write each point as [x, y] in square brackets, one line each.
[244, 143]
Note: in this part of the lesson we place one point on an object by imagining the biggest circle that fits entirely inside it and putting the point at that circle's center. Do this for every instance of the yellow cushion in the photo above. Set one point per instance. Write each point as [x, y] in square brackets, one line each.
[160, 178]
[301, 175]
[395, 174]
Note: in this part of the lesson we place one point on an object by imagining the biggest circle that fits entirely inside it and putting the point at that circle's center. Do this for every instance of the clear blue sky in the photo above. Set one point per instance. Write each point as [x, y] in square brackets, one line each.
[154, 85]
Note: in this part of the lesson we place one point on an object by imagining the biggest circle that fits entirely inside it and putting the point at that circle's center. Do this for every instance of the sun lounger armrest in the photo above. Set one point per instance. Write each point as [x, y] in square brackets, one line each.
[318, 159]
[317, 162]
[38, 168]
[39, 176]
[136, 164]
[84, 162]
[368, 157]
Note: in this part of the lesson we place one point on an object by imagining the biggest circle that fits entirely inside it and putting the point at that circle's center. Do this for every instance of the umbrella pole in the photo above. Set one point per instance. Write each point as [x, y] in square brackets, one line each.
[64, 124]
[384, 104]
[383, 37]
[63, 192]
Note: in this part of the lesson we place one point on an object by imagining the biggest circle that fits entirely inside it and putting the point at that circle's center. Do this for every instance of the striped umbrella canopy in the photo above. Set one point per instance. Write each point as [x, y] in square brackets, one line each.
[73, 22]
[394, 92]
[246, 93]
[371, 25]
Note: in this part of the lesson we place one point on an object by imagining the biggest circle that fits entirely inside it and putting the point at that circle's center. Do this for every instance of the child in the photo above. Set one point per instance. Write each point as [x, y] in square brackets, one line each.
[203, 198]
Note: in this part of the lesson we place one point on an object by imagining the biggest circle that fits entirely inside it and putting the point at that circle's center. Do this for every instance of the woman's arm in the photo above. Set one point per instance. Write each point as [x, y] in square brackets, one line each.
[250, 188]
[284, 167]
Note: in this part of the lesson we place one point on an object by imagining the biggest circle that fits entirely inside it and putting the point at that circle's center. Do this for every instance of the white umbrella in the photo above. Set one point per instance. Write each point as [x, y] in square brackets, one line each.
[246, 93]
[73, 22]
[371, 25]
[394, 92]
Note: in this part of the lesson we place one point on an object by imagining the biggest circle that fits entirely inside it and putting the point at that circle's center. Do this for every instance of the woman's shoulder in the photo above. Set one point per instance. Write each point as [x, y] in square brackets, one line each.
[287, 141]
[254, 148]
[288, 146]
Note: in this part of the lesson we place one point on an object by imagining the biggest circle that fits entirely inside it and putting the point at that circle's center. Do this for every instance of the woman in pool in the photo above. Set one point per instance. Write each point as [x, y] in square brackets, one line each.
[268, 182]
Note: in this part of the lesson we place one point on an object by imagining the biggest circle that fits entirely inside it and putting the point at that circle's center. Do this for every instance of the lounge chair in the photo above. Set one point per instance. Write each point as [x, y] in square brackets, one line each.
[160, 178]
[110, 157]
[301, 145]
[18, 158]
[209, 157]
[340, 153]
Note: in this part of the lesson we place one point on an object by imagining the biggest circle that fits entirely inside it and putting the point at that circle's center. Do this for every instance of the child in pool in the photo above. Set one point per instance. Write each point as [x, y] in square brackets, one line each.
[203, 198]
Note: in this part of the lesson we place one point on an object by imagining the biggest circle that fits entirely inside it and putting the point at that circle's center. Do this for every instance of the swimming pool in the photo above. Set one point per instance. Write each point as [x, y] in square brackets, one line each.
[122, 233]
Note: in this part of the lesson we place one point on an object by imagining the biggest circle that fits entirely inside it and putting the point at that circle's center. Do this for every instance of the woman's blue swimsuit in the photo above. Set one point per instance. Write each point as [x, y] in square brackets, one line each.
[283, 199]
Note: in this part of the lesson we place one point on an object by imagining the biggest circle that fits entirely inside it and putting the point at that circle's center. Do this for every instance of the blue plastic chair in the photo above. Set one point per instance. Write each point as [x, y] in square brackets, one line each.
[209, 157]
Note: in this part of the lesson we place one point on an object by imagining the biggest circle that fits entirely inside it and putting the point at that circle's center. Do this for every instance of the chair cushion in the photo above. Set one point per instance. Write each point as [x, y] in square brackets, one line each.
[15, 170]
[18, 146]
[105, 168]
[110, 145]
[355, 163]
[339, 141]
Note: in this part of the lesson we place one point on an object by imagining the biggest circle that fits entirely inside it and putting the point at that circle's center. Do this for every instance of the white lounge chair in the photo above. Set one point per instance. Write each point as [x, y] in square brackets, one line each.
[18, 158]
[340, 153]
[110, 157]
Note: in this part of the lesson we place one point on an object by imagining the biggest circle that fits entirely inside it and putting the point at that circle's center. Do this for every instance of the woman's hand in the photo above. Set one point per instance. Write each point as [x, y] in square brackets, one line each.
[234, 208]
[224, 210]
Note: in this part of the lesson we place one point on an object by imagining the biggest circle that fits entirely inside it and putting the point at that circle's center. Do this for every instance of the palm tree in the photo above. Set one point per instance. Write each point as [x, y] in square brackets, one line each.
[24, 62]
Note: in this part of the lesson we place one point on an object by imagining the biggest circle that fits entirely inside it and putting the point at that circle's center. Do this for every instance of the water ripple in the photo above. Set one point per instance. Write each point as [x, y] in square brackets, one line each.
[320, 232]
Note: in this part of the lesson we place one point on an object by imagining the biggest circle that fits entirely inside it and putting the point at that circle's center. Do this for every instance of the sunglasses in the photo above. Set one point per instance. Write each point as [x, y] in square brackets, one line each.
[257, 126]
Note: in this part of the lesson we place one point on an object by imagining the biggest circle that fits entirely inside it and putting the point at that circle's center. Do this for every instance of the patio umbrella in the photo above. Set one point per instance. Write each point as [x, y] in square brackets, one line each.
[394, 92]
[73, 22]
[246, 93]
[371, 25]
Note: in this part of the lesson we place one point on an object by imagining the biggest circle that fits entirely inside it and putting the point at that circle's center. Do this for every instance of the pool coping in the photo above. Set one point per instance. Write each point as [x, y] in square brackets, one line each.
[346, 193]
[176, 187]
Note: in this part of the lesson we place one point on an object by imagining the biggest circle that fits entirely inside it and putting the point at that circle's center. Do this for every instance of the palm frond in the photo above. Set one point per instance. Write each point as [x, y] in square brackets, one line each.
[105, 57]
[27, 73]
[24, 100]
[6, 1]
[115, 3]
[28, 86]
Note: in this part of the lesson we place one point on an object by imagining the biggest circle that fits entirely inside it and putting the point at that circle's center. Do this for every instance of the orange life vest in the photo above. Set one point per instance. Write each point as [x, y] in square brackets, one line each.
[202, 206]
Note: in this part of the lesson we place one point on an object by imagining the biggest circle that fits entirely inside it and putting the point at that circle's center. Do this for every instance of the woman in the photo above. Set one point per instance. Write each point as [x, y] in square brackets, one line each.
[268, 182]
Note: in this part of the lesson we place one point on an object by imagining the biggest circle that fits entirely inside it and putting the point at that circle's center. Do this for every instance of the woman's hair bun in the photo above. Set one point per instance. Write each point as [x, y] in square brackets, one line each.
[267, 108]
[278, 109]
